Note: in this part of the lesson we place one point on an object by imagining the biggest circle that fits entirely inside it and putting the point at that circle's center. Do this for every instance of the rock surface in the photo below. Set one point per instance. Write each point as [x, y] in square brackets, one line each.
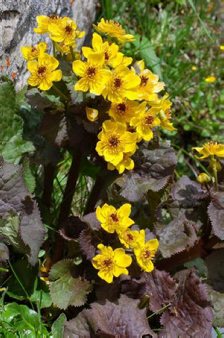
[17, 20]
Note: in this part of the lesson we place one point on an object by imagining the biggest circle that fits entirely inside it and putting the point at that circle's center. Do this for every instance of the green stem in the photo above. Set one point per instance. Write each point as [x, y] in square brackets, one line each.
[72, 53]
[193, 158]
[215, 177]
[219, 334]
[159, 311]
[59, 93]
[20, 283]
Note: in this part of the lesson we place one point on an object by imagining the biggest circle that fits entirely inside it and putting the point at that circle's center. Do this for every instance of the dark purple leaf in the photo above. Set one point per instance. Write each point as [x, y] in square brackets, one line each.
[176, 236]
[160, 287]
[153, 170]
[187, 193]
[214, 263]
[16, 203]
[122, 319]
[92, 221]
[190, 311]
[88, 243]
[4, 252]
[72, 228]
[216, 214]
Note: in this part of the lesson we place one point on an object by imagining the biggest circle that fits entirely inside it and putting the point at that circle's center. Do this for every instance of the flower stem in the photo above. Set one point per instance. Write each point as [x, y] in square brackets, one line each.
[159, 311]
[214, 169]
[66, 203]
[72, 53]
[54, 49]
[216, 178]
[59, 93]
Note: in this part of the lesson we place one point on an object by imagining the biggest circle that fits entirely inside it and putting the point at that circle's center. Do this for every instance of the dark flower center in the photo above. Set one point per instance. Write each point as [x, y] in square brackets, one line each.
[91, 71]
[149, 120]
[106, 55]
[117, 83]
[68, 29]
[113, 141]
[107, 262]
[114, 217]
[41, 70]
[144, 81]
[121, 108]
[130, 237]
[147, 254]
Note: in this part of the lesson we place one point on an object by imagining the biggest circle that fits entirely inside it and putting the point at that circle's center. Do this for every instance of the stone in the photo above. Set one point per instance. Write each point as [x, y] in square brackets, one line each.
[17, 20]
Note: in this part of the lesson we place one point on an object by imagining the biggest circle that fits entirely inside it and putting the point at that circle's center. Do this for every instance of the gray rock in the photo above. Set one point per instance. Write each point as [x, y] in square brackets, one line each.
[18, 18]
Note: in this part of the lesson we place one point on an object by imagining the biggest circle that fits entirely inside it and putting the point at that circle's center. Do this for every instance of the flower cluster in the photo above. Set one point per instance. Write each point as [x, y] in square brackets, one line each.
[130, 89]
[111, 262]
[42, 66]
[62, 31]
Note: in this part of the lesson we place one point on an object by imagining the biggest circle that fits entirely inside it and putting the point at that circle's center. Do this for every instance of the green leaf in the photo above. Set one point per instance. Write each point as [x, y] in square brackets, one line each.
[29, 178]
[26, 274]
[9, 230]
[12, 144]
[42, 298]
[58, 326]
[25, 321]
[66, 290]
[15, 148]
[148, 54]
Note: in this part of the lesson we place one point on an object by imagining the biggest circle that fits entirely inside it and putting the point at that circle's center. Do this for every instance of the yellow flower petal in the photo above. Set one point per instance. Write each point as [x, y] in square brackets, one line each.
[79, 67]
[92, 114]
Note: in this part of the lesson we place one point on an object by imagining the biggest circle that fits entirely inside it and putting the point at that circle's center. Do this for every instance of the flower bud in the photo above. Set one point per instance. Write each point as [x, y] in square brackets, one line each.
[203, 178]
[92, 114]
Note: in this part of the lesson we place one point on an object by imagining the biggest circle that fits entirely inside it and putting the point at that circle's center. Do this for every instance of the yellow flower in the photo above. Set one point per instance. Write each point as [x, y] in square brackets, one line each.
[93, 76]
[162, 107]
[65, 32]
[145, 253]
[210, 79]
[114, 30]
[194, 68]
[112, 56]
[92, 114]
[126, 163]
[124, 111]
[149, 85]
[203, 178]
[210, 149]
[221, 47]
[130, 238]
[33, 52]
[115, 140]
[113, 219]
[43, 72]
[44, 21]
[111, 262]
[145, 122]
[122, 84]
[64, 49]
